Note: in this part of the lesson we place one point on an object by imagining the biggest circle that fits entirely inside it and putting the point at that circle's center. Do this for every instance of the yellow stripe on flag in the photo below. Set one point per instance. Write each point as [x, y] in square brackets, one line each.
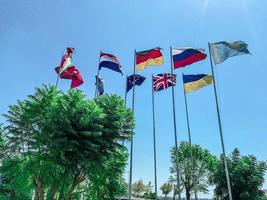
[149, 62]
[196, 85]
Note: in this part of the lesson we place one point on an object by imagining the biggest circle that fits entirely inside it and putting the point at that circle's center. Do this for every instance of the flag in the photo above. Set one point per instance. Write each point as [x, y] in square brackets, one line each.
[100, 85]
[110, 61]
[150, 57]
[196, 82]
[73, 74]
[66, 60]
[187, 56]
[224, 50]
[163, 81]
[134, 80]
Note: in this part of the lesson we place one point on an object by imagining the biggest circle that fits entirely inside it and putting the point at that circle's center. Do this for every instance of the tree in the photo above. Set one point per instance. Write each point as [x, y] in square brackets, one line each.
[138, 188]
[148, 194]
[61, 138]
[2, 143]
[176, 191]
[106, 180]
[194, 172]
[166, 188]
[246, 175]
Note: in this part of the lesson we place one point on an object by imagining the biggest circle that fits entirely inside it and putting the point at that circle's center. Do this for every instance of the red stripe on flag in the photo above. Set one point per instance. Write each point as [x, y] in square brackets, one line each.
[153, 54]
[188, 61]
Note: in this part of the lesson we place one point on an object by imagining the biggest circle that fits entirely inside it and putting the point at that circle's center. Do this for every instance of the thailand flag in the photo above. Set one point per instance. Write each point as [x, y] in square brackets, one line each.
[110, 61]
[186, 56]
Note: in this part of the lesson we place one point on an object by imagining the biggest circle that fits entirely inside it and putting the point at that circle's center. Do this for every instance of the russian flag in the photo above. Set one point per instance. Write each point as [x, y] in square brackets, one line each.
[186, 56]
[110, 61]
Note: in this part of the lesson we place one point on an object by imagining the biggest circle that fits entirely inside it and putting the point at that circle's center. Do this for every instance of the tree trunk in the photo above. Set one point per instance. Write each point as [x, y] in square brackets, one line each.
[39, 190]
[174, 195]
[69, 193]
[188, 195]
[53, 190]
[196, 198]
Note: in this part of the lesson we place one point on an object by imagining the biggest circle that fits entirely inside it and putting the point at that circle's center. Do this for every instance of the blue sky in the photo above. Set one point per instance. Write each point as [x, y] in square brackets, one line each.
[34, 34]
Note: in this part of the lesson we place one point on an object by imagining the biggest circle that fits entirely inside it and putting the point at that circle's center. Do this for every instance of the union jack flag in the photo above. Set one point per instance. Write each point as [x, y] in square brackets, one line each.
[163, 81]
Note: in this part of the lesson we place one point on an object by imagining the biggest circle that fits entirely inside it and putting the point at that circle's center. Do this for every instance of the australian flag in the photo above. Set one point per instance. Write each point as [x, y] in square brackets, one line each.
[110, 61]
[134, 80]
[163, 81]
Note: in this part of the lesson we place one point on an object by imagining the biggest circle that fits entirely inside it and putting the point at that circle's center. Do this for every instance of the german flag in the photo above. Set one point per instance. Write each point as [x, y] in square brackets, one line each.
[152, 57]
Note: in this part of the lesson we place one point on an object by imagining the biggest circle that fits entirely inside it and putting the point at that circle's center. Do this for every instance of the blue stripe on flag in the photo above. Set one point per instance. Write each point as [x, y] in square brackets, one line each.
[185, 54]
[192, 78]
[110, 65]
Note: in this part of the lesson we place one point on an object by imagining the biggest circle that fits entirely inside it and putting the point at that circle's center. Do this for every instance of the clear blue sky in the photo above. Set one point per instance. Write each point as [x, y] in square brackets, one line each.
[34, 34]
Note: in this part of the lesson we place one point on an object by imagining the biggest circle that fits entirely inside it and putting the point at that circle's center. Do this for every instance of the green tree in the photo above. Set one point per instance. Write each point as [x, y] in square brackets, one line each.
[148, 193]
[246, 175]
[2, 143]
[16, 180]
[166, 188]
[60, 137]
[176, 191]
[106, 180]
[138, 188]
[194, 172]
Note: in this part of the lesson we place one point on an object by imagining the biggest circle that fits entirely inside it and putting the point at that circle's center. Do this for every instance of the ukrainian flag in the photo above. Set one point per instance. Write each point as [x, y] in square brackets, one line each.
[196, 82]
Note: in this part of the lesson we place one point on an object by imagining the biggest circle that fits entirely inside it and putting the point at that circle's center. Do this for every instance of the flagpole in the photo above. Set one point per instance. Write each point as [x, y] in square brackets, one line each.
[58, 76]
[98, 72]
[154, 140]
[125, 99]
[125, 95]
[220, 127]
[131, 148]
[175, 132]
[57, 79]
[189, 139]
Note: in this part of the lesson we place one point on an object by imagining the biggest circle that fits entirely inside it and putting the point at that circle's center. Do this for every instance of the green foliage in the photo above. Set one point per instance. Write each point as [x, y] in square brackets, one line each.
[58, 141]
[195, 164]
[106, 180]
[166, 188]
[16, 179]
[138, 188]
[246, 175]
[148, 194]
[1, 142]
[176, 190]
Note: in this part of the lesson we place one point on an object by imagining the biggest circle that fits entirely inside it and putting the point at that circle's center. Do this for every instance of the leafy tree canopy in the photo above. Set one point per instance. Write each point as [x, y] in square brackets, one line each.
[59, 139]
[196, 164]
[138, 188]
[166, 188]
[246, 175]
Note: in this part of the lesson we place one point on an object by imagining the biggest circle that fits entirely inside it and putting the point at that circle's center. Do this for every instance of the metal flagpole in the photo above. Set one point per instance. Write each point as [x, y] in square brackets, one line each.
[58, 76]
[125, 99]
[189, 139]
[175, 132]
[154, 139]
[57, 79]
[125, 104]
[125, 95]
[131, 148]
[220, 127]
[98, 71]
